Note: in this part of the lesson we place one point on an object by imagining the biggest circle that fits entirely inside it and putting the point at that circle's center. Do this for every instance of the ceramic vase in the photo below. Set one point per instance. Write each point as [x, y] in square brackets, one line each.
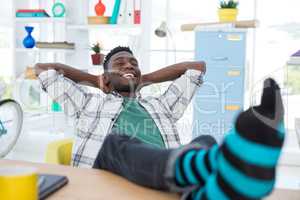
[100, 8]
[29, 41]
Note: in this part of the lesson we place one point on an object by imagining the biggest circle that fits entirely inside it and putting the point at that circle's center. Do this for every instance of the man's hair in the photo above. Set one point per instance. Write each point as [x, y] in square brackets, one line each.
[112, 52]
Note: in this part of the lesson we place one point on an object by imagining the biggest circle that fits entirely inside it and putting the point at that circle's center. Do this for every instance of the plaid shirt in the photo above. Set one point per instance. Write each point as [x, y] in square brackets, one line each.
[96, 113]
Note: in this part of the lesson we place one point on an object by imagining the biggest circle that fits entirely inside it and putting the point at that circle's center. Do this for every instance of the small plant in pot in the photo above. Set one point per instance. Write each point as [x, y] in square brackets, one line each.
[228, 10]
[97, 57]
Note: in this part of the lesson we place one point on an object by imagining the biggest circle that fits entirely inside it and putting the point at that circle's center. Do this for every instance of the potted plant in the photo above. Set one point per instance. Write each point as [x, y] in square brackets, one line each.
[97, 57]
[228, 10]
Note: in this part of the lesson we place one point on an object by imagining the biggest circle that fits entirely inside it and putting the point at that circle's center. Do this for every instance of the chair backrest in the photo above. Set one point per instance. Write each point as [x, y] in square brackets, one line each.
[59, 152]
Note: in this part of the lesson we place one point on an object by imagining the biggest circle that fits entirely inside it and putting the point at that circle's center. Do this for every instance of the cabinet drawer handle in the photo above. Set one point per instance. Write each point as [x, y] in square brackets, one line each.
[232, 107]
[234, 73]
[234, 37]
[219, 58]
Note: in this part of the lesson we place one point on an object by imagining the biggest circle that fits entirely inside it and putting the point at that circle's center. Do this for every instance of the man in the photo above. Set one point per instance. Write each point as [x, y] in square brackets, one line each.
[242, 168]
[122, 110]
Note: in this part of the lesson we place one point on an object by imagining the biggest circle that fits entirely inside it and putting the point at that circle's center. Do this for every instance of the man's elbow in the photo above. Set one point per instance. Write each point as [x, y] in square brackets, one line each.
[202, 66]
[38, 69]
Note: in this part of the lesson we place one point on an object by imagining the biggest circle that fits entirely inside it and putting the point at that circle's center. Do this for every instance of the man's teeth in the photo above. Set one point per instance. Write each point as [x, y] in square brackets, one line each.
[128, 76]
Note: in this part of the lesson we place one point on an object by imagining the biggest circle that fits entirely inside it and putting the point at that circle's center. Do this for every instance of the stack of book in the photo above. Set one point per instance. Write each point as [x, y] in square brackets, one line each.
[294, 58]
[31, 13]
[126, 12]
[55, 45]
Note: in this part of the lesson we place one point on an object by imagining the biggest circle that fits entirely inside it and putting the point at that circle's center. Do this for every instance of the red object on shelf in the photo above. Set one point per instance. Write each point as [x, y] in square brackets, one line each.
[137, 17]
[137, 12]
[100, 8]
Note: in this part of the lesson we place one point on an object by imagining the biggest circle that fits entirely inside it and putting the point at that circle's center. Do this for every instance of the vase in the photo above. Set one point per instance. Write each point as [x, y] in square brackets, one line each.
[29, 41]
[100, 8]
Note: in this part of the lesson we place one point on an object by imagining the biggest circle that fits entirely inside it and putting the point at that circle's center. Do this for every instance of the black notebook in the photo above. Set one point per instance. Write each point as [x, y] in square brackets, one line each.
[49, 183]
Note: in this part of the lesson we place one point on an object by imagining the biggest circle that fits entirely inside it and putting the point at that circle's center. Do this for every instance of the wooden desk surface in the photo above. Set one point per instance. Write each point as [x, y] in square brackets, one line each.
[91, 184]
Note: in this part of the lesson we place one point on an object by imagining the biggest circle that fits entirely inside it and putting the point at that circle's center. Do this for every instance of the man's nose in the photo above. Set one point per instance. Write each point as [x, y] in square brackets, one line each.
[128, 65]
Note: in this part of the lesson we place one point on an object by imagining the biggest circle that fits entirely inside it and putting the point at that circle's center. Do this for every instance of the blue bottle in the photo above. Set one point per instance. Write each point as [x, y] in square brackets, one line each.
[29, 41]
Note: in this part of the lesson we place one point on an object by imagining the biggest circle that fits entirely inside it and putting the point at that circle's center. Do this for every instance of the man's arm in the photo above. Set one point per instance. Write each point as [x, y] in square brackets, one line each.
[75, 75]
[60, 82]
[172, 72]
[181, 91]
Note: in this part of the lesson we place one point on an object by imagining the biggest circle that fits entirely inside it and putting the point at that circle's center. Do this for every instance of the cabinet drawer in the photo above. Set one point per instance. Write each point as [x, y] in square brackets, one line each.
[221, 48]
[220, 83]
[214, 118]
[216, 109]
[214, 127]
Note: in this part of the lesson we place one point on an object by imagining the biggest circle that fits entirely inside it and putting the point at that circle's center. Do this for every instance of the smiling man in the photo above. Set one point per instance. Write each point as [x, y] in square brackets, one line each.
[121, 110]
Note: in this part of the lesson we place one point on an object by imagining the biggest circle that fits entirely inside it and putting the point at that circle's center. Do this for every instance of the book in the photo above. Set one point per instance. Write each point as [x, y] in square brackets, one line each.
[114, 17]
[294, 58]
[55, 45]
[31, 14]
[98, 20]
[130, 12]
[296, 54]
[122, 12]
[48, 184]
[137, 12]
[32, 10]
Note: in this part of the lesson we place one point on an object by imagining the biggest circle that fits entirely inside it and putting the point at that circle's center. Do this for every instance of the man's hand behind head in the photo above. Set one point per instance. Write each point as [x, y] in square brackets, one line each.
[104, 83]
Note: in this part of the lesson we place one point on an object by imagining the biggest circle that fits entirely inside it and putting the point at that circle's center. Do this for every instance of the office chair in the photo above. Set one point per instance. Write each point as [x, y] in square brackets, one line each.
[59, 152]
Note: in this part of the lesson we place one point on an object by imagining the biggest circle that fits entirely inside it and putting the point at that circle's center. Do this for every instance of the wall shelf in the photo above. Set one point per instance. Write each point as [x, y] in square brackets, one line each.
[39, 20]
[43, 50]
[105, 26]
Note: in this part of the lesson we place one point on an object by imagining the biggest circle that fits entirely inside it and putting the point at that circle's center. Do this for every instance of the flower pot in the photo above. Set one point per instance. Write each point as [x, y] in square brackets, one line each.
[97, 58]
[227, 14]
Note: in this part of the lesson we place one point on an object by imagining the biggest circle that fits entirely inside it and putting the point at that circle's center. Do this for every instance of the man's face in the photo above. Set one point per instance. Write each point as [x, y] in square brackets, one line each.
[124, 72]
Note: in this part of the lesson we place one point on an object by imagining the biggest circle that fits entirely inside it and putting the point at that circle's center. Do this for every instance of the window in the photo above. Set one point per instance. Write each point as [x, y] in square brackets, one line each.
[6, 61]
[277, 37]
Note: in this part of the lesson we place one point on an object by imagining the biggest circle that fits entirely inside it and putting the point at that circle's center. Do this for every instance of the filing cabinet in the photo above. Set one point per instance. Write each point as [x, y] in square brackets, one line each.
[221, 97]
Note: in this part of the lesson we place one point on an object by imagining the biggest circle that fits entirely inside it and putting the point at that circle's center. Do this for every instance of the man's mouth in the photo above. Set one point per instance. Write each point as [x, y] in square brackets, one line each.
[128, 75]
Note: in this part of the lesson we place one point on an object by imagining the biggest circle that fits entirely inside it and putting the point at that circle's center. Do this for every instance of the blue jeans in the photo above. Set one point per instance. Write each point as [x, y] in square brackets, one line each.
[139, 162]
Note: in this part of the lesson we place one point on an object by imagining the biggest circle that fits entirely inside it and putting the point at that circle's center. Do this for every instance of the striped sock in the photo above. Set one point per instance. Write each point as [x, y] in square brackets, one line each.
[194, 167]
[246, 162]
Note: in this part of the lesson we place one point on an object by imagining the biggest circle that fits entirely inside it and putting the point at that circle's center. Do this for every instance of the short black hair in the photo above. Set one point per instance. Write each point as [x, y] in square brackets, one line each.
[112, 52]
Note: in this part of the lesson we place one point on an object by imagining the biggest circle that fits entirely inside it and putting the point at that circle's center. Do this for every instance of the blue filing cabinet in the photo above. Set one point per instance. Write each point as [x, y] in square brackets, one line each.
[221, 97]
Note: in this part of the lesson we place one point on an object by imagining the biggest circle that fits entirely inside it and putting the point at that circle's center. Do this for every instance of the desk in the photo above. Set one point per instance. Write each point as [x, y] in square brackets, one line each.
[91, 184]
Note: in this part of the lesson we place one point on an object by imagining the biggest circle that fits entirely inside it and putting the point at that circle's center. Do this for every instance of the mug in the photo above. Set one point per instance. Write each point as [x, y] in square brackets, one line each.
[18, 183]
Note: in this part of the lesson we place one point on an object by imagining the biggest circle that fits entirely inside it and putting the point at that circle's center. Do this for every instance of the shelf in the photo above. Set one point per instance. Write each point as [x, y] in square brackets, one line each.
[106, 26]
[44, 50]
[39, 20]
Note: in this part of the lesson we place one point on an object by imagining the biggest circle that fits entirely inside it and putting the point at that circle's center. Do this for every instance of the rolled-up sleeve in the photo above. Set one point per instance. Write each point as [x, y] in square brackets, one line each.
[63, 91]
[180, 93]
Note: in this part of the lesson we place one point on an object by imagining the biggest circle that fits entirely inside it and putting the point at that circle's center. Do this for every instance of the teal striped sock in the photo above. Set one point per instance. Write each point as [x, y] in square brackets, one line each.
[246, 162]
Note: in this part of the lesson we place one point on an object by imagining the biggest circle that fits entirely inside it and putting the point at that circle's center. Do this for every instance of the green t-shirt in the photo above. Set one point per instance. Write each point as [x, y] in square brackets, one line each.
[135, 121]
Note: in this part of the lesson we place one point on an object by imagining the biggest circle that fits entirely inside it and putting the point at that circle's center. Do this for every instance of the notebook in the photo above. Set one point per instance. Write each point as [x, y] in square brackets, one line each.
[48, 184]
